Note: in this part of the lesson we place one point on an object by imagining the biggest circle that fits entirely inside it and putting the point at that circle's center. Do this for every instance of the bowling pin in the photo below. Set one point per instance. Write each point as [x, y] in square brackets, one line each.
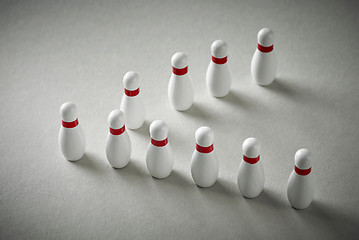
[132, 105]
[264, 61]
[250, 175]
[180, 87]
[300, 187]
[159, 157]
[118, 144]
[71, 137]
[204, 164]
[218, 77]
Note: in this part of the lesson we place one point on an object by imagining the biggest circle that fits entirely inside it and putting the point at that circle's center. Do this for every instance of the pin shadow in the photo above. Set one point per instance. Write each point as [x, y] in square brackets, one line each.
[197, 111]
[337, 223]
[282, 86]
[143, 130]
[236, 99]
[91, 162]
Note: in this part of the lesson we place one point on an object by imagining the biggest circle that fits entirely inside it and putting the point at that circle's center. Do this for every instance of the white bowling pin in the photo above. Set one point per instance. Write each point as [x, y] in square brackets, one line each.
[219, 77]
[71, 137]
[204, 164]
[132, 105]
[300, 187]
[118, 144]
[250, 176]
[180, 87]
[264, 61]
[159, 157]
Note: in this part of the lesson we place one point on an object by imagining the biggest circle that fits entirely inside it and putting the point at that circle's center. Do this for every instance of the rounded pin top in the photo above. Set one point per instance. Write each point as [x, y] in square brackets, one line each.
[204, 136]
[265, 37]
[219, 49]
[158, 130]
[116, 119]
[302, 159]
[68, 112]
[131, 81]
[179, 60]
[251, 148]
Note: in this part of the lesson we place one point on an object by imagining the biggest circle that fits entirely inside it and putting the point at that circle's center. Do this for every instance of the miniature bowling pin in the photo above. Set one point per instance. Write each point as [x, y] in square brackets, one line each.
[250, 176]
[118, 144]
[71, 137]
[204, 164]
[218, 77]
[132, 105]
[159, 157]
[264, 61]
[180, 87]
[300, 187]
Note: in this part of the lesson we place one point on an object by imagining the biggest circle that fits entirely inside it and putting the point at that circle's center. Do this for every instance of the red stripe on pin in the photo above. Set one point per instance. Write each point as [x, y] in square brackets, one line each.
[70, 124]
[132, 93]
[219, 60]
[302, 172]
[159, 143]
[180, 71]
[251, 160]
[118, 131]
[204, 149]
[265, 49]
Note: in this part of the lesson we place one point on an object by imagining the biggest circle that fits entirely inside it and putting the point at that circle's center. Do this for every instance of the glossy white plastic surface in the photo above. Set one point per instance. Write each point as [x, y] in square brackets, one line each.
[218, 76]
[71, 140]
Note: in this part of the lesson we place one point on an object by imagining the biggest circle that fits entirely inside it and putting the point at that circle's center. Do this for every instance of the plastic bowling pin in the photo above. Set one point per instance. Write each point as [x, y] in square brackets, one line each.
[218, 77]
[118, 144]
[159, 157]
[250, 177]
[132, 105]
[300, 187]
[180, 87]
[71, 137]
[204, 164]
[264, 61]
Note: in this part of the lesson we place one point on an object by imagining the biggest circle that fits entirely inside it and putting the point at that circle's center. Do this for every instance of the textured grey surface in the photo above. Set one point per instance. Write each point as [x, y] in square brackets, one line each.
[57, 51]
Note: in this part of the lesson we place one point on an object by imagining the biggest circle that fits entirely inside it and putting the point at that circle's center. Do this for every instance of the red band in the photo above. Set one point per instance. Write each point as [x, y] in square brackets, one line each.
[251, 160]
[159, 143]
[302, 172]
[204, 149]
[265, 49]
[132, 93]
[118, 131]
[70, 124]
[180, 71]
[219, 60]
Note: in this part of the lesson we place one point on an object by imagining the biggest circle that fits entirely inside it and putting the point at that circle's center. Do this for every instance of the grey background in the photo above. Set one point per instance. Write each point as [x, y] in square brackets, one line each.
[57, 51]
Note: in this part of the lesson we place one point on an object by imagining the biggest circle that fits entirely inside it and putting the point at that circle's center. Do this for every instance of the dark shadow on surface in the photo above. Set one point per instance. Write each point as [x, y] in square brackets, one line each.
[340, 225]
[235, 98]
[224, 188]
[196, 111]
[175, 178]
[143, 130]
[133, 169]
[91, 163]
[284, 87]
[265, 199]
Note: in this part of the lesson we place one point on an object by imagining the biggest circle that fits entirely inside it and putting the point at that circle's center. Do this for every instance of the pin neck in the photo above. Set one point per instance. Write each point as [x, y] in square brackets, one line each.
[251, 160]
[161, 143]
[70, 124]
[118, 131]
[302, 172]
[219, 60]
[265, 49]
[132, 93]
[204, 149]
[180, 71]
